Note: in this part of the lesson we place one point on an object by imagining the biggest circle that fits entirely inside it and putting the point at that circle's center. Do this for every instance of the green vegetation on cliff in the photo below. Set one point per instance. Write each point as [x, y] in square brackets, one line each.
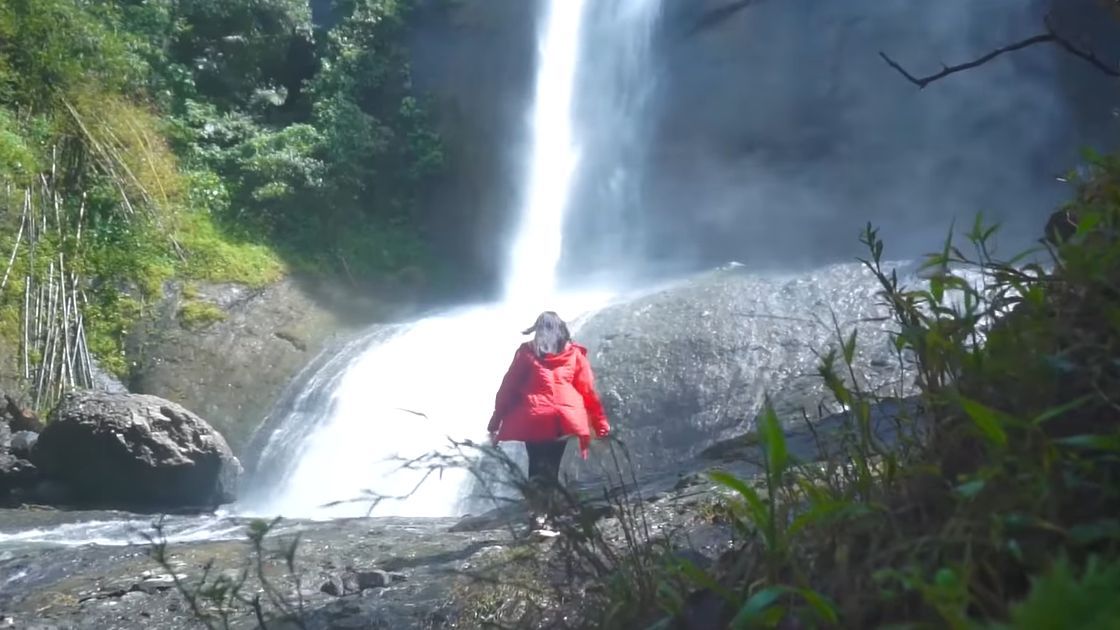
[216, 140]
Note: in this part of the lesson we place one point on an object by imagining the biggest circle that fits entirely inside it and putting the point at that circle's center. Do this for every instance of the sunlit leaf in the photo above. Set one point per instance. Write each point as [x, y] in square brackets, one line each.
[987, 420]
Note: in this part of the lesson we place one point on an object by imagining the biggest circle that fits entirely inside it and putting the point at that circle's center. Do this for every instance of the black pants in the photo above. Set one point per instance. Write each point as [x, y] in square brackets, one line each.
[544, 479]
[544, 462]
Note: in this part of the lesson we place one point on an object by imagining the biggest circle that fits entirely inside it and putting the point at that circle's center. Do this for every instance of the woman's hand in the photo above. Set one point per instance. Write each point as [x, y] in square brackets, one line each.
[603, 431]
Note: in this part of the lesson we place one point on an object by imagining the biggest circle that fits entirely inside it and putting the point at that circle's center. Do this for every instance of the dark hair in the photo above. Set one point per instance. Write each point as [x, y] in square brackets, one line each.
[550, 334]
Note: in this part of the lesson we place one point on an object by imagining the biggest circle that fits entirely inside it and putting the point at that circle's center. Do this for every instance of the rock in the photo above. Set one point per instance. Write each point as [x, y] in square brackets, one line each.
[22, 443]
[5, 436]
[16, 474]
[231, 370]
[683, 368]
[136, 451]
[353, 582]
[20, 418]
[156, 583]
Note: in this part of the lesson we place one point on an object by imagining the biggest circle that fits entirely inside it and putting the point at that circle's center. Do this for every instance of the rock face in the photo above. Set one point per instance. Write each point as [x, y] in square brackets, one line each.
[136, 451]
[232, 365]
[685, 367]
[474, 63]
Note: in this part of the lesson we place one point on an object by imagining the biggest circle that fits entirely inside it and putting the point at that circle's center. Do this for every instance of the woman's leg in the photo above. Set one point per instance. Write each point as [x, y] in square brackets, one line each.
[544, 477]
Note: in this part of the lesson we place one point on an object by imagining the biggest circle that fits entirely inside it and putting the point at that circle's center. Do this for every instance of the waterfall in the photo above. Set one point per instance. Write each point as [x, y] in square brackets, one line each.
[363, 425]
[531, 268]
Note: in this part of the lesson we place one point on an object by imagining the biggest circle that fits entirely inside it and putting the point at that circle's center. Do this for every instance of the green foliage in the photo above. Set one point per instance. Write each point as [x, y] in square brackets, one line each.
[1060, 598]
[218, 140]
[997, 506]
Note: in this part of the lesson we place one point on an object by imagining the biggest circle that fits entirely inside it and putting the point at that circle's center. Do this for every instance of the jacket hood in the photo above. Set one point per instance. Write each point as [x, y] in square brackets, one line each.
[568, 355]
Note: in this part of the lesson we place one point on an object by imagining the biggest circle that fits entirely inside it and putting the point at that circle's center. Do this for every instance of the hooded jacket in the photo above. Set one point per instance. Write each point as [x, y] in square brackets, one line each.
[546, 398]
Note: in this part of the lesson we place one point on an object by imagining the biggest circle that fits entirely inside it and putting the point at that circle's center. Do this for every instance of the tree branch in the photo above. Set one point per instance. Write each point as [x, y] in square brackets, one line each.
[1051, 36]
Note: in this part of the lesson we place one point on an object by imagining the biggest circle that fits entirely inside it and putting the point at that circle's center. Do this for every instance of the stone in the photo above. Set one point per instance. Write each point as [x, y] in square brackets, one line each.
[20, 418]
[137, 452]
[22, 443]
[16, 474]
[353, 582]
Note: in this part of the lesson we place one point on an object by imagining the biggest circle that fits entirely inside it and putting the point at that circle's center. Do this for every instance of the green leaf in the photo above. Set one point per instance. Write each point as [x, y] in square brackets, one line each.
[825, 609]
[850, 347]
[970, 489]
[1096, 531]
[755, 504]
[704, 580]
[753, 612]
[1054, 412]
[825, 511]
[1109, 443]
[775, 440]
[987, 420]
[937, 288]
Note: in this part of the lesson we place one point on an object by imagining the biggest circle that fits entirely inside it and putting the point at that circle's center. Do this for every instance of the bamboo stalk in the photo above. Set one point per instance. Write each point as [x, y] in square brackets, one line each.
[15, 248]
[26, 314]
[81, 218]
[80, 356]
[64, 368]
[40, 300]
[44, 362]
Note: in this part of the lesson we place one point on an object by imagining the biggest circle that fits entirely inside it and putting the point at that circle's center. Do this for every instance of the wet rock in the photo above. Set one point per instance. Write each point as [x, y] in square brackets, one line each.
[16, 474]
[352, 582]
[135, 451]
[688, 366]
[156, 583]
[231, 371]
[22, 442]
[21, 418]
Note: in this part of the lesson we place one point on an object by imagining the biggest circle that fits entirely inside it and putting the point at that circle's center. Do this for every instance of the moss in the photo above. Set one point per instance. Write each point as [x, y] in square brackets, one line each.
[196, 314]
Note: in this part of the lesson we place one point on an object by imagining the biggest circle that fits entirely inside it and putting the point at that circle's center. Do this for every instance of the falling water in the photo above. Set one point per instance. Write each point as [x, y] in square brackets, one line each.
[364, 426]
[553, 158]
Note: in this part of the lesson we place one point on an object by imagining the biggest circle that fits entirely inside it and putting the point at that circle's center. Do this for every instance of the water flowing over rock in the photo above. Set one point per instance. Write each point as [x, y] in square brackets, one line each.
[689, 365]
[136, 451]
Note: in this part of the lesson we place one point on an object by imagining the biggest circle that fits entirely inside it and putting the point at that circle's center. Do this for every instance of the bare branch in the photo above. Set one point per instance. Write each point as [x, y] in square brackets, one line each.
[1051, 36]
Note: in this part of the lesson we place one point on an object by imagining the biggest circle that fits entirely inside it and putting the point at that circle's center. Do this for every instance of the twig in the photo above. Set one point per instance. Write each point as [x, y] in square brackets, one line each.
[1051, 36]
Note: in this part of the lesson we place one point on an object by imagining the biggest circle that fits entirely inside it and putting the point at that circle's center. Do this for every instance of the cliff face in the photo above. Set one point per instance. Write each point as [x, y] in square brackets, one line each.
[474, 60]
[777, 130]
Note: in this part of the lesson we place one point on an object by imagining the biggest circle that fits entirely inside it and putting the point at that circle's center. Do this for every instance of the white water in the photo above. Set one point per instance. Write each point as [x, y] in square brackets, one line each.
[404, 398]
[401, 394]
[538, 242]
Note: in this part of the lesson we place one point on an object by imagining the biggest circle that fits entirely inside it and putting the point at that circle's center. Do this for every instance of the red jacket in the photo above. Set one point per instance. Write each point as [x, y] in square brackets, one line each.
[543, 399]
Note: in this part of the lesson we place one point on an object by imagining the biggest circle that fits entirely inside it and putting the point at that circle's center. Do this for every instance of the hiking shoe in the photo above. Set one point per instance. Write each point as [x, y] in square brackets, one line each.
[544, 533]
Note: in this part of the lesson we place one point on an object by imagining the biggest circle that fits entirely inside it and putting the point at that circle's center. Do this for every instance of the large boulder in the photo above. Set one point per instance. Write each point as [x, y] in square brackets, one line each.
[226, 351]
[683, 368]
[136, 451]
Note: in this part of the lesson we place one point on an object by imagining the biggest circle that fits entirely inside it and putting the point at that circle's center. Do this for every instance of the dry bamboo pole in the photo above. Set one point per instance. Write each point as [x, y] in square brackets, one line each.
[76, 320]
[40, 302]
[44, 362]
[64, 368]
[19, 238]
[26, 315]
[82, 354]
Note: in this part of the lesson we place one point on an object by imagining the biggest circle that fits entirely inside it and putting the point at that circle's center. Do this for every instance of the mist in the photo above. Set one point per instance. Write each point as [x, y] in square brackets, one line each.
[771, 133]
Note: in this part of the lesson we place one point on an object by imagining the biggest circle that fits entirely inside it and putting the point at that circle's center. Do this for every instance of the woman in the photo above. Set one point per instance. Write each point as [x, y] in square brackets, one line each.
[547, 395]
